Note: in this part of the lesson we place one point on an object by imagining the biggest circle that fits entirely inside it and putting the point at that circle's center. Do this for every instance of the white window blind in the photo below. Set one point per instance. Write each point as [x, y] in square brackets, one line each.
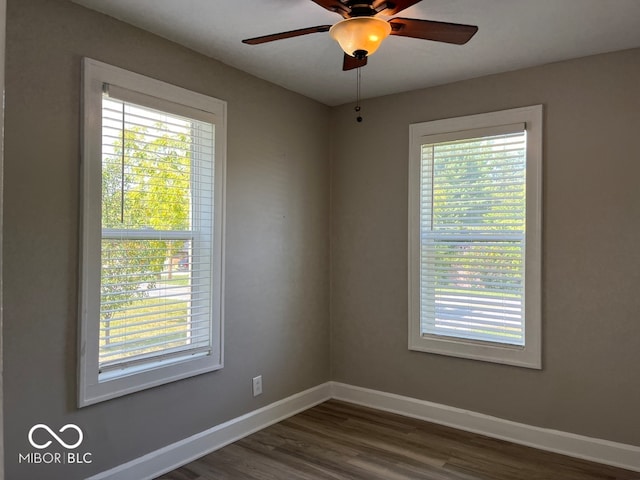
[472, 227]
[157, 225]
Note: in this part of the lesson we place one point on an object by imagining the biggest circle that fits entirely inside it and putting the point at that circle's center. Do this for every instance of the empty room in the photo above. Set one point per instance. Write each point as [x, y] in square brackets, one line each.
[320, 239]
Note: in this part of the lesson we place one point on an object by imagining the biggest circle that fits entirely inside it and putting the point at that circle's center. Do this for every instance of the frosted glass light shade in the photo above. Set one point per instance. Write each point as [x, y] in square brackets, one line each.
[360, 34]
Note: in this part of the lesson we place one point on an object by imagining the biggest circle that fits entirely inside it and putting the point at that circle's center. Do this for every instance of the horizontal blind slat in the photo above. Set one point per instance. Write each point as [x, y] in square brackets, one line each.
[125, 344]
[151, 344]
[173, 353]
[122, 343]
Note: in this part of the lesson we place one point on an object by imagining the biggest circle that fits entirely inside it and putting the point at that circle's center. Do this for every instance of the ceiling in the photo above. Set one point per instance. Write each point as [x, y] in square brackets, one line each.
[512, 34]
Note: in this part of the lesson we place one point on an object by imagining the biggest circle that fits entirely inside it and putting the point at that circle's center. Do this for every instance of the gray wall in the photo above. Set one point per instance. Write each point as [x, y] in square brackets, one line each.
[590, 382]
[277, 263]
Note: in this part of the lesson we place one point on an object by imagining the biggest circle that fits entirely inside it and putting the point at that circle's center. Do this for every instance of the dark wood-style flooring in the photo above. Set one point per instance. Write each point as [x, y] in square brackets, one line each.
[338, 440]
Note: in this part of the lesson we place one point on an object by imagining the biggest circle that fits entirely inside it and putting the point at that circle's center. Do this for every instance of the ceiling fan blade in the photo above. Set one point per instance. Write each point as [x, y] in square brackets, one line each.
[430, 30]
[349, 62]
[289, 34]
[334, 6]
[391, 7]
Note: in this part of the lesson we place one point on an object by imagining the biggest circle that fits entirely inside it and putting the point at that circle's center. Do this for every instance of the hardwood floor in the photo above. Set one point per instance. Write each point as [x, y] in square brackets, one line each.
[337, 440]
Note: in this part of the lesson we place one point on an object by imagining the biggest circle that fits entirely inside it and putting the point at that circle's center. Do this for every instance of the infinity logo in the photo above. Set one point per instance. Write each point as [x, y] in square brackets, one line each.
[53, 434]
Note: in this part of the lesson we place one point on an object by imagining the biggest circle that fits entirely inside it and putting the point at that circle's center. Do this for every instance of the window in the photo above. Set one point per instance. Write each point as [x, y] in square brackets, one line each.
[474, 236]
[151, 287]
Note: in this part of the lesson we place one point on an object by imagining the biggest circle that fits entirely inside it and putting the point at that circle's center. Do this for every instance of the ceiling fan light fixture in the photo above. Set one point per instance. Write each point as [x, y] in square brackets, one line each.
[360, 36]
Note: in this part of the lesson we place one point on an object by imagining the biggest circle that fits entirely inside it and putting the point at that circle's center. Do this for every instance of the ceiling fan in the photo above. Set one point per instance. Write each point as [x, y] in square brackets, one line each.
[361, 32]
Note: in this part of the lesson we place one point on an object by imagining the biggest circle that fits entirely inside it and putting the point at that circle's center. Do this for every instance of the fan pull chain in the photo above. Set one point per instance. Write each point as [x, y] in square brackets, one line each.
[357, 108]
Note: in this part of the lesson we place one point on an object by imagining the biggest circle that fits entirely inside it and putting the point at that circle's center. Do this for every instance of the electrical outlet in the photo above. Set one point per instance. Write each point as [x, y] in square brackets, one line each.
[257, 385]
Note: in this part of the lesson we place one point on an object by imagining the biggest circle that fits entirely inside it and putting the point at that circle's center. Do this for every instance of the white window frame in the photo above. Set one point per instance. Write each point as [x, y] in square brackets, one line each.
[528, 355]
[94, 387]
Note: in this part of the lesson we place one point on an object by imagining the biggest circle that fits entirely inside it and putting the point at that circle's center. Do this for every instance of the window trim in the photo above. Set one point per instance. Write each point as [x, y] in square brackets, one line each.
[529, 355]
[90, 389]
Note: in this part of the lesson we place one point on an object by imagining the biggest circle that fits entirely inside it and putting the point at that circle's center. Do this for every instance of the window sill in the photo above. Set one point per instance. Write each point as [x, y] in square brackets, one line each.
[519, 356]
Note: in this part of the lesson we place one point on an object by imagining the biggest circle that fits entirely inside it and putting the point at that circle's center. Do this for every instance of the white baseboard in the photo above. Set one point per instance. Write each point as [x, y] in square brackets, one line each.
[177, 454]
[587, 448]
[180, 453]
